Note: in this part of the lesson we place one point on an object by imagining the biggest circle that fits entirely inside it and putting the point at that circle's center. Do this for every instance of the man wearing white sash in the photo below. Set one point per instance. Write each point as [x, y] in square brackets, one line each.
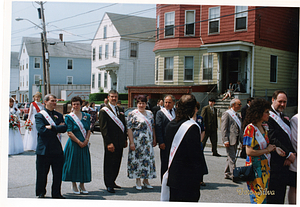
[186, 159]
[163, 117]
[113, 129]
[279, 134]
[49, 123]
[232, 133]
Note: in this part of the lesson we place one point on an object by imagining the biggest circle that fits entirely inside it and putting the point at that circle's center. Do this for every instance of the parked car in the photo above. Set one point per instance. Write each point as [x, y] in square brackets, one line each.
[128, 110]
[24, 109]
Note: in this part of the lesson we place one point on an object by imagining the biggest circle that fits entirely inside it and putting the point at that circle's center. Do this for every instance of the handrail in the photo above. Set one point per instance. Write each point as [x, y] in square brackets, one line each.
[208, 93]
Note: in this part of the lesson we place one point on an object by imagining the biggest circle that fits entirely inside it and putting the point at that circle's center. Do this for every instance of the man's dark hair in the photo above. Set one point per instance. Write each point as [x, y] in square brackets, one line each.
[185, 107]
[249, 99]
[212, 100]
[75, 99]
[112, 92]
[47, 97]
[276, 93]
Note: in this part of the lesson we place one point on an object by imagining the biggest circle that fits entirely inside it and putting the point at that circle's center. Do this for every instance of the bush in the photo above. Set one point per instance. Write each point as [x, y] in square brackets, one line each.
[102, 96]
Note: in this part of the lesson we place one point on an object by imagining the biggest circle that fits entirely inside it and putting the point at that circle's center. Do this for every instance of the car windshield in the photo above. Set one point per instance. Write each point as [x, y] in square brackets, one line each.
[28, 105]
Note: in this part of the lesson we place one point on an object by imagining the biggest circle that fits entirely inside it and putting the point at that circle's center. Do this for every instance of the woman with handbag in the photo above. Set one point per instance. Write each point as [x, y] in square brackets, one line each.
[258, 149]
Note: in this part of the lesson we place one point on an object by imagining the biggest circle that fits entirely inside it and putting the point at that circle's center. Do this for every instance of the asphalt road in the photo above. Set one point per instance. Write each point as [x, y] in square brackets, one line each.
[21, 178]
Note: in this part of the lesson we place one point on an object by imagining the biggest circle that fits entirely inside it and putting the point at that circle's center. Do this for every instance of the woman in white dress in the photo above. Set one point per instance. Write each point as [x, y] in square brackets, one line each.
[15, 137]
[30, 138]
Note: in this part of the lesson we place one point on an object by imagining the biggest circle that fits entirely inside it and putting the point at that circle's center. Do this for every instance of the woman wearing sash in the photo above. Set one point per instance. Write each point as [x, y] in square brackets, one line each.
[77, 167]
[141, 162]
[15, 137]
[258, 149]
[30, 137]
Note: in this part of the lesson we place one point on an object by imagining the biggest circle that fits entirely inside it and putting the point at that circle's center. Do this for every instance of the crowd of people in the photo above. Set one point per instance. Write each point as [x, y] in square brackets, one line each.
[269, 140]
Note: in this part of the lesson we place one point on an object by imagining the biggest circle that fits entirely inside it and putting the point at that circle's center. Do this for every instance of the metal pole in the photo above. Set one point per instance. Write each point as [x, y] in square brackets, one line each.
[44, 66]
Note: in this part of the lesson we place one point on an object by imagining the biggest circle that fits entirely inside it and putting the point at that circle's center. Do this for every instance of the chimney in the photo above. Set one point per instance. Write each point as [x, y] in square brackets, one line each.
[61, 37]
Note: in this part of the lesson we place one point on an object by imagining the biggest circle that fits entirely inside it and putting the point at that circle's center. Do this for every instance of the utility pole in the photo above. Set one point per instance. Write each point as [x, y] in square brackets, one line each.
[46, 65]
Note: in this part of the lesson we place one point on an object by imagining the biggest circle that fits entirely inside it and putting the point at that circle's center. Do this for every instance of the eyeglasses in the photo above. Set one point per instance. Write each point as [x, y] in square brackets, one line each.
[239, 104]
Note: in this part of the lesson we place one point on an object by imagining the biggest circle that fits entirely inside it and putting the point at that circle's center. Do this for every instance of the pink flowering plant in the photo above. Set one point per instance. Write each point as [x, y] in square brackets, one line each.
[28, 125]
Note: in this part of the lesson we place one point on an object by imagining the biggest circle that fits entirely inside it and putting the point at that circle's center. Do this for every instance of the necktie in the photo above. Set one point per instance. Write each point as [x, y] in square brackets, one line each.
[171, 112]
[117, 111]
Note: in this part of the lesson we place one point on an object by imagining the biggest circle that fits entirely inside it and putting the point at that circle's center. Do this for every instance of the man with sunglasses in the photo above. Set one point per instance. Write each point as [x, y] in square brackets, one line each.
[232, 133]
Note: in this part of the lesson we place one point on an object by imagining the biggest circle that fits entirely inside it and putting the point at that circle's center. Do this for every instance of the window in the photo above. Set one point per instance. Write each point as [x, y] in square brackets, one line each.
[37, 62]
[241, 18]
[105, 80]
[188, 68]
[26, 80]
[156, 75]
[157, 28]
[69, 79]
[273, 69]
[99, 80]
[189, 22]
[207, 67]
[23, 64]
[93, 80]
[105, 32]
[169, 24]
[168, 68]
[23, 81]
[133, 49]
[27, 63]
[94, 54]
[100, 52]
[37, 79]
[114, 49]
[214, 20]
[106, 51]
[70, 64]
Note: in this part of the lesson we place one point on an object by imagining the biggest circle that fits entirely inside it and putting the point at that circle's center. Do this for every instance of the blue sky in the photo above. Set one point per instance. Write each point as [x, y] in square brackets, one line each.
[77, 21]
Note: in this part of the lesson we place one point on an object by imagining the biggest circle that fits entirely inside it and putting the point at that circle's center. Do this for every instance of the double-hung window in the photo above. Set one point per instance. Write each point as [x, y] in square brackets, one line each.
[104, 32]
[133, 49]
[37, 79]
[114, 49]
[105, 80]
[37, 62]
[188, 68]
[168, 68]
[93, 80]
[106, 51]
[100, 52]
[94, 54]
[273, 69]
[214, 20]
[157, 27]
[169, 24]
[99, 80]
[207, 67]
[70, 64]
[70, 80]
[241, 17]
[190, 23]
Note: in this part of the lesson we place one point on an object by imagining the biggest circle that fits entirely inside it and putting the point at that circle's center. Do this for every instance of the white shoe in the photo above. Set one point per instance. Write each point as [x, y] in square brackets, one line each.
[147, 186]
[83, 191]
[138, 187]
[75, 192]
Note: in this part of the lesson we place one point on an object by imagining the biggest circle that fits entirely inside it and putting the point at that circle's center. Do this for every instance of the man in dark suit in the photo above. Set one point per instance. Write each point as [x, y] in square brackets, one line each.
[163, 117]
[232, 133]
[238, 87]
[49, 150]
[279, 134]
[155, 109]
[209, 115]
[113, 129]
[244, 109]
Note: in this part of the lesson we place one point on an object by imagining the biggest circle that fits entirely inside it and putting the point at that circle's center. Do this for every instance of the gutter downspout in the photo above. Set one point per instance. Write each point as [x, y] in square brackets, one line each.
[252, 73]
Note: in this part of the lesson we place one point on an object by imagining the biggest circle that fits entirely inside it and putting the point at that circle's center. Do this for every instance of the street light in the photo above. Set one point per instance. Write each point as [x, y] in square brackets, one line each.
[20, 19]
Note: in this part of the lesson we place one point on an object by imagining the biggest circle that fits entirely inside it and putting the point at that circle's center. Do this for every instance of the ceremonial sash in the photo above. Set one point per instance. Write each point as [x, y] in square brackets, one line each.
[79, 123]
[261, 141]
[148, 122]
[114, 118]
[167, 113]
[36, 107]
[50, 121]
[235, 118]
[165, 190]
[281, 123]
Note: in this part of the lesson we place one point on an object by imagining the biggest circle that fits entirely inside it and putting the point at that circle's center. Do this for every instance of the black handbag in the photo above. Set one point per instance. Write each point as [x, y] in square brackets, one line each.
[244, 173]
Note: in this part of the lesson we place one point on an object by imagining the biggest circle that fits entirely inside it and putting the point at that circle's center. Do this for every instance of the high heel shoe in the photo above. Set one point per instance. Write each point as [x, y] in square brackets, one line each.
[83, 191]
[147, 186]
[75, 192]
[138, 187]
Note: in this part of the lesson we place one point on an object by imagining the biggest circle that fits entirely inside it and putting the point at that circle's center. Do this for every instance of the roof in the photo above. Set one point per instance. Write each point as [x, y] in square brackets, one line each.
[133, 26]
[14, 60]
[59, 49]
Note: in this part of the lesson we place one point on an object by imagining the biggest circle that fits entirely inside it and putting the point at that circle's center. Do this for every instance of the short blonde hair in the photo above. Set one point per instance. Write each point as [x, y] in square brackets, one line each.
[38, 94]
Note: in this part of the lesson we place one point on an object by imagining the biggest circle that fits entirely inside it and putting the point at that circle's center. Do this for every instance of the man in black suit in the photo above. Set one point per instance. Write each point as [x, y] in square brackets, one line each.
[113, 129]
[155, 109]
[49, 150]
[163, 117]
[244, 108]
[279, 134]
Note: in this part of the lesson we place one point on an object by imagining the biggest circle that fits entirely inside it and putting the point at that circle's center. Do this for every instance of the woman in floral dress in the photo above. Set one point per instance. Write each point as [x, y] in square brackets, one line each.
[258, 149]
[141, 163]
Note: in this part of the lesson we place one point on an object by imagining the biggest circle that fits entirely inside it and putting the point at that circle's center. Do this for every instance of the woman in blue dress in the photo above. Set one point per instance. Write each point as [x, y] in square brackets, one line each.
[77, 166]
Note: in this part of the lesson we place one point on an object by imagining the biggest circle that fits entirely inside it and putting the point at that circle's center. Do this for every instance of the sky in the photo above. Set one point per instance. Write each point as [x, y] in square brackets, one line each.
[77, 21]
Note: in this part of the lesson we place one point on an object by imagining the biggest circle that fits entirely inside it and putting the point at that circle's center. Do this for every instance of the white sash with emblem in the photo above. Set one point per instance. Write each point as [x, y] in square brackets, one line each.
[165, 190]
[281, 123]
[79, 123]
[235, 117]
[167, 114]
[50, 121]
[114, 118]
[148, 122]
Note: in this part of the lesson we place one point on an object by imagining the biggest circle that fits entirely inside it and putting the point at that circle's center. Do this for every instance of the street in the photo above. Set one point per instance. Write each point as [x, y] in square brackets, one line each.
[21, 178]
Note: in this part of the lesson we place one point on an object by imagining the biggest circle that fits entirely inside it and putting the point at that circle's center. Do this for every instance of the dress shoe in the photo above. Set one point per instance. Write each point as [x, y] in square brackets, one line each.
[75, 192]
[147, 186]
[110, 190]
[138, 187]
[216, 154]
[58, 197]
[82, 191]
[116, 186]
[41, 196]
